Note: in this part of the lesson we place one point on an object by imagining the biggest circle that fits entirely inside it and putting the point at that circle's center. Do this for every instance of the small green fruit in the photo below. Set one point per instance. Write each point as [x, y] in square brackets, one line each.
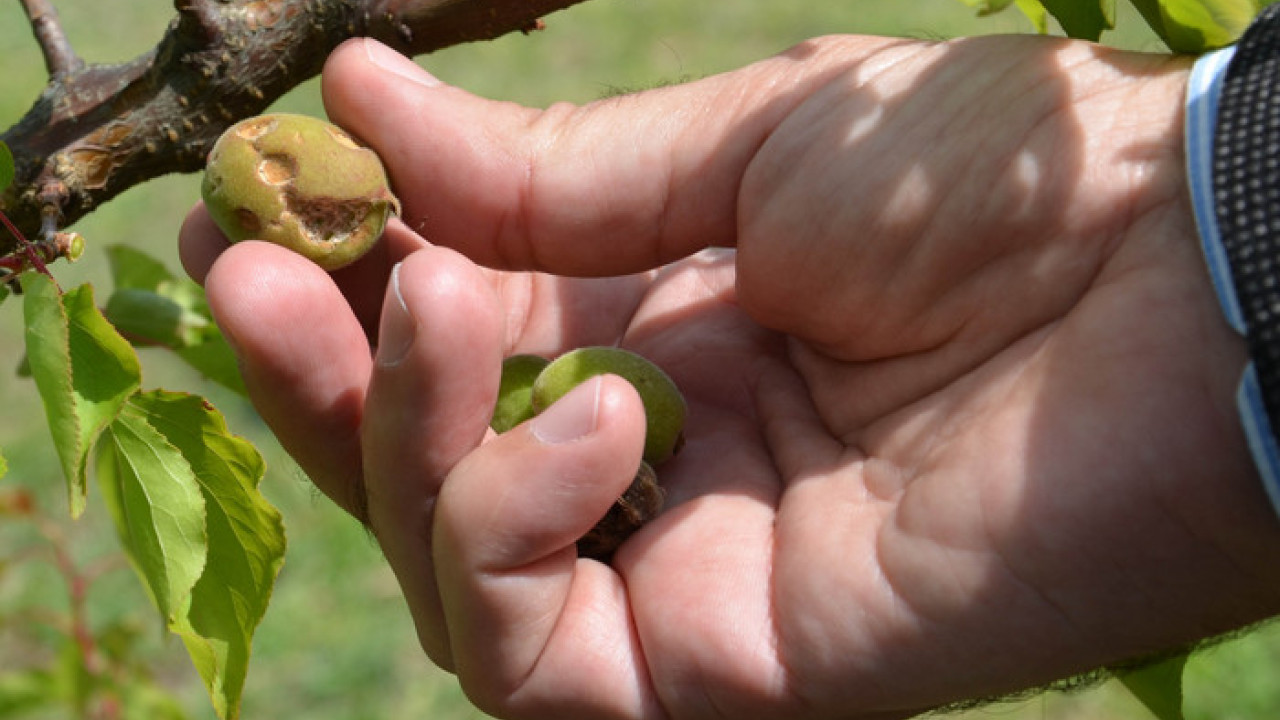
[515, 390]
[664, 406]
[299, 182]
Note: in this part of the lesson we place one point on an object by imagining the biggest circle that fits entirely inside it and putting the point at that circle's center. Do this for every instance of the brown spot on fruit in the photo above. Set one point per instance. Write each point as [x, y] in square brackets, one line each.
[277, 169]
[255, 128]
[248, 220]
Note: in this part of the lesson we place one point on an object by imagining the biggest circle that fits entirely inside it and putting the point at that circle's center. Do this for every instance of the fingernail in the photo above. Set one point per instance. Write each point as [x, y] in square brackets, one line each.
[397, 328]
[571, 417]
[393, 62]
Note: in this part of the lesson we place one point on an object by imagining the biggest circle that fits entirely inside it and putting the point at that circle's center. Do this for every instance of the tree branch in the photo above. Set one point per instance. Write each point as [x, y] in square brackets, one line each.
[59, 57]
[97, 130]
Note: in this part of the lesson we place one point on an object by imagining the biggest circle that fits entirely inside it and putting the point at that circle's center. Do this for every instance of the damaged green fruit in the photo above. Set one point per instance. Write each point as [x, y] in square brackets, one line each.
[299, 182]
[664, 405]
[530, 384]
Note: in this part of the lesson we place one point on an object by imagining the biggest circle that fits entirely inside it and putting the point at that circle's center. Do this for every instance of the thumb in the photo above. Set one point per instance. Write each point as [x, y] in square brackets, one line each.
[533, 629]
[612, 187]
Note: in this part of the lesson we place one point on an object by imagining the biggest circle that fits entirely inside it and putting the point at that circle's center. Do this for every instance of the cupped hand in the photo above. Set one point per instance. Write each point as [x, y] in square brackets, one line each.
[961, 400]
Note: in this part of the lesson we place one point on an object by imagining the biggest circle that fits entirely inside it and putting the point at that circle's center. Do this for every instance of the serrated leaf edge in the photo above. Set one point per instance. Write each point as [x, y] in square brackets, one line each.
[37, 286]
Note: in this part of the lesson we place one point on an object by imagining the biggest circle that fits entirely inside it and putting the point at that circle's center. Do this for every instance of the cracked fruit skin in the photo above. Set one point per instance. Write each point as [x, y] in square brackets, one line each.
[299, 182]
[664, 405]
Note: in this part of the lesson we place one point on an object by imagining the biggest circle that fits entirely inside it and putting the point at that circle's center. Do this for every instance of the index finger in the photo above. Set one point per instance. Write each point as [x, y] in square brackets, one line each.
[617, 186]
[201, 243]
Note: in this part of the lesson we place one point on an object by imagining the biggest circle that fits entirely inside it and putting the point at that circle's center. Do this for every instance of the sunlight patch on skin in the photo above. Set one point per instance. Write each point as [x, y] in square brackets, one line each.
[1026, 173]
[864, 126]
[914, 195]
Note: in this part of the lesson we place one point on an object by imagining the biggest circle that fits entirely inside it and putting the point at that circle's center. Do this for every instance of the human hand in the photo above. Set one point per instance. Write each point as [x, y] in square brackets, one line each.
[961, 400]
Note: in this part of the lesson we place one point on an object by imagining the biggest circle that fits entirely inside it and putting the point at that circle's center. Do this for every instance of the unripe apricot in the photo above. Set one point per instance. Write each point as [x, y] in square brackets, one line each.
[299, 182]
[515, 403]
[664, 405]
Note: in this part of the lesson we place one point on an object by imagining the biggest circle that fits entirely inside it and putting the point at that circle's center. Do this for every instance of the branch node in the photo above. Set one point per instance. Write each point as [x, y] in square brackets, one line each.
[52, 196]
[198, 20]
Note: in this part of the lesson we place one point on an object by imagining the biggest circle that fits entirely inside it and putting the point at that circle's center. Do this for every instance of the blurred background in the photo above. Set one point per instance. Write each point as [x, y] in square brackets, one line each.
[337, 642]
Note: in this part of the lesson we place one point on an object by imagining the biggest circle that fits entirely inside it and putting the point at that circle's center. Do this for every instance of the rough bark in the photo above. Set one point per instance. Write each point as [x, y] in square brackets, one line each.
[97, 130]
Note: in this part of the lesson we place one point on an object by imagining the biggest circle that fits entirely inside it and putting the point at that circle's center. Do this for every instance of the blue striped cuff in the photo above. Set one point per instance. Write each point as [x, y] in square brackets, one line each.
[1203, 93]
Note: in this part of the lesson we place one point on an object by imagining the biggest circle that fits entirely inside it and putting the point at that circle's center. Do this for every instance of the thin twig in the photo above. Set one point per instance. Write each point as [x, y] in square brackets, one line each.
[26, 247]
[59, 57]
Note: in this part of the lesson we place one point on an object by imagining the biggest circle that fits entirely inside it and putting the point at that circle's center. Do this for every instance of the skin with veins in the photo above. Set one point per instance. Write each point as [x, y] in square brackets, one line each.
[299, 182]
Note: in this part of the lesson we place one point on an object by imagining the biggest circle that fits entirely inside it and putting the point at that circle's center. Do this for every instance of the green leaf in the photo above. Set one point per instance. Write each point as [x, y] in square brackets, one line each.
[1197, 26]
[245, 539]
[159, 511]
[149, 318]
[152, 307]
[1159, 686]
[987, 7]
[4, 465]
[83, 370]
[215, 360]
[1036, 13]
[7, 169]
[133, 268]
[1033, 9]
[1085, 19]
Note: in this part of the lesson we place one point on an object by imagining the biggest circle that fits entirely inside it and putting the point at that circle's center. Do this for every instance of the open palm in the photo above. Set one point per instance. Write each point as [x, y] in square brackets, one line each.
[961, 402]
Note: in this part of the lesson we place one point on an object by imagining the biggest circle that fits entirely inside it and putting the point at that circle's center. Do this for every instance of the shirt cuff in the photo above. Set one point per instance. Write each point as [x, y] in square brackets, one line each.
[1203, 93]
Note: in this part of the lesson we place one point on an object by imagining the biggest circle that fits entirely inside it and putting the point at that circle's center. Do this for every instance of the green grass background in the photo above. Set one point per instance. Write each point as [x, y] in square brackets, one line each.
[337, 643]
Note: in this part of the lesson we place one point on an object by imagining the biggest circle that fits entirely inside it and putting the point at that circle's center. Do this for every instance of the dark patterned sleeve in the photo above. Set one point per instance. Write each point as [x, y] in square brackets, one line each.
[1233, 164]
